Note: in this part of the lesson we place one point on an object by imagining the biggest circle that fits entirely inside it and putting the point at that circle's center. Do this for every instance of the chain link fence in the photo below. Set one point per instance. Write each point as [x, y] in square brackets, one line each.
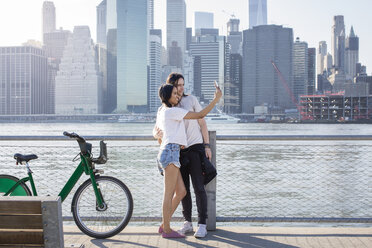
[258, 180]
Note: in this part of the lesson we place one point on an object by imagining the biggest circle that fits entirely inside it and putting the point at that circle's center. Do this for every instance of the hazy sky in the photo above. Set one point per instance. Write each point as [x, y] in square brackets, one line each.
[311, 20]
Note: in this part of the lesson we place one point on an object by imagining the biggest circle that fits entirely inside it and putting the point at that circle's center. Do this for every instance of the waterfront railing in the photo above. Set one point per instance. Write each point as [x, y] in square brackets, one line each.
[276, 178]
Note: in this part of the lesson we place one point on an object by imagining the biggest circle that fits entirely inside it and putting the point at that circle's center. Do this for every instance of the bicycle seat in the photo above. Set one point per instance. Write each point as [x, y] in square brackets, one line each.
[24, 158]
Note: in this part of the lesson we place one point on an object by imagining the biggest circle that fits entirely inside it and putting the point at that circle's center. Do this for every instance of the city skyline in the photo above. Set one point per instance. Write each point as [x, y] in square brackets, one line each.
[298, 15]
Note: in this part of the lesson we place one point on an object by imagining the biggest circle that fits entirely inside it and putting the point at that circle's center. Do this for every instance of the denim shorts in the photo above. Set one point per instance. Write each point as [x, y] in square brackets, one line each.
[170, 154]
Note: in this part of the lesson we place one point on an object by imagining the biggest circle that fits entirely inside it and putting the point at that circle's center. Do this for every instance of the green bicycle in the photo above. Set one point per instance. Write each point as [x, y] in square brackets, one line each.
[101, 206]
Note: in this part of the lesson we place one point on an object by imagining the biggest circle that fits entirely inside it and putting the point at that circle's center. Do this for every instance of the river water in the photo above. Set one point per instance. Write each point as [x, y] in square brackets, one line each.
[146, 128]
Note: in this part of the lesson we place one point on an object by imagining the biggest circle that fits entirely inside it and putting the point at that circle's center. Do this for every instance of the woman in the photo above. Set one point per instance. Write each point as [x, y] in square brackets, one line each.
[191, 160]
[170, 121]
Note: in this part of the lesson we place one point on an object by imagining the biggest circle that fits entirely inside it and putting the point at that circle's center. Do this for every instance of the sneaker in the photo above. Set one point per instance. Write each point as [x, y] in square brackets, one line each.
[186, 228]
[172, 235]
[201, 232]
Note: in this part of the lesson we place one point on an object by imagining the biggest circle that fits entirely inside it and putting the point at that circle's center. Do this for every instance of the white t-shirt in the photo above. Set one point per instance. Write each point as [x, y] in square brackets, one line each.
[193, 131]
[170, 121]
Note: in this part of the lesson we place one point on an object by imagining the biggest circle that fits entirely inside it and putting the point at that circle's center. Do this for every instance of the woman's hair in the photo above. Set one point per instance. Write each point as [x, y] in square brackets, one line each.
[165, 93]
[173, 79]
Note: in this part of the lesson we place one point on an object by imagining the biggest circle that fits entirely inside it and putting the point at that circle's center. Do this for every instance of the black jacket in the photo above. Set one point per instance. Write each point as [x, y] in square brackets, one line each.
[208, 169]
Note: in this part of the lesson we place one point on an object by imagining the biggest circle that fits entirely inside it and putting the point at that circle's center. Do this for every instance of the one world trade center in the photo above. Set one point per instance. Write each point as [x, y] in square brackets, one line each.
[257, 13]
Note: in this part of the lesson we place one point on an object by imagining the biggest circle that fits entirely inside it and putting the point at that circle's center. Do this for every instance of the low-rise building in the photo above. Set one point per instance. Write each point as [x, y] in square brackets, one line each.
[335, 107]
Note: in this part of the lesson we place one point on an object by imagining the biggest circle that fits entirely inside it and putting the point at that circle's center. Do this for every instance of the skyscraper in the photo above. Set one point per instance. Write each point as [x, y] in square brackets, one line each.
[197, 75]
[23, 80]
[209, 65]
[111, 67]
[236, 84]
[233, 66]
[234, 37]
[158, 33]
[188, 38]
[150, 26]
[300, 68]
[150, 14]
[351, 54]
[203, 20]
[101, 22]
[311, 71]
[49, 17]
[211, 32]
[54, 45]
[127, 44]
[322, 52]
[340, 65]
[78, 81]
[188, 73]
[261, 83]
[176, 56]
[176, 28]
[233, 25]
[257, 13]
[154, 73]
[101, 52]
[328, 61]
[338, 41]
[229, 99]
[233, 88]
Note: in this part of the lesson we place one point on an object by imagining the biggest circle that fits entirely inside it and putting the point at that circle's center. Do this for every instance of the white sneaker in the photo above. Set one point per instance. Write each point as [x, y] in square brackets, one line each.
[201, 232]
[186, 228]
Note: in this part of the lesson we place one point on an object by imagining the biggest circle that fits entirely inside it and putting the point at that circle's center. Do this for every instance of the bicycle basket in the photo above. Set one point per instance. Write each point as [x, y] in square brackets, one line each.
[102, 159]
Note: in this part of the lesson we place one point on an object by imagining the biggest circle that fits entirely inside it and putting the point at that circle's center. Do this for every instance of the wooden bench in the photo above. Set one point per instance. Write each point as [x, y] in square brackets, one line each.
[31, 221]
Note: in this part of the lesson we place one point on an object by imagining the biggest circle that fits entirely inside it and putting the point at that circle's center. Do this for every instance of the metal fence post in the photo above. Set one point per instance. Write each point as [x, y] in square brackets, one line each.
[211, 187]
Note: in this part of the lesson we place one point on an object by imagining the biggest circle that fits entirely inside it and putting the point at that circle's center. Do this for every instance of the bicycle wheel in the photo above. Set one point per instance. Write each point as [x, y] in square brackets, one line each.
[7, 181]
[106, 222]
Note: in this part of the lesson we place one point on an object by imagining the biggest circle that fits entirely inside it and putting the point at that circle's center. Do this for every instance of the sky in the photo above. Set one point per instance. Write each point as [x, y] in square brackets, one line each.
[311, 20]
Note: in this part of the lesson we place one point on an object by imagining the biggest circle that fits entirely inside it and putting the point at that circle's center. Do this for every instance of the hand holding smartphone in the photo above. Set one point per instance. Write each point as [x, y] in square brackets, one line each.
[217, 93]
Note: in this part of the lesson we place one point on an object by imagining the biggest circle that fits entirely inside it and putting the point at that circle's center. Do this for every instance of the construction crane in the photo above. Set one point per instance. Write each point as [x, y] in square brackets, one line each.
[231, 15]
[304, 116]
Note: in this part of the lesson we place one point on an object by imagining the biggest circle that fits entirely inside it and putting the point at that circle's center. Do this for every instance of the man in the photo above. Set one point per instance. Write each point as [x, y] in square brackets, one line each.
[191, 158]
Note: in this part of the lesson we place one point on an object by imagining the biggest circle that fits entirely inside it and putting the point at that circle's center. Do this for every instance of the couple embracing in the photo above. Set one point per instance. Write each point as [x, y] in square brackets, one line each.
[182, 134]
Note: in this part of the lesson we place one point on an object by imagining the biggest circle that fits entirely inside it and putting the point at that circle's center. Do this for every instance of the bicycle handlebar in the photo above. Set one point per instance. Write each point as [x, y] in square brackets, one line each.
[74, 136]
[87, 147]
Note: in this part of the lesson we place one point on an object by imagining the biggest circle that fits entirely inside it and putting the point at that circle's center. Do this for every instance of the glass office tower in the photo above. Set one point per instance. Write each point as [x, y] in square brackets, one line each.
[127, 53]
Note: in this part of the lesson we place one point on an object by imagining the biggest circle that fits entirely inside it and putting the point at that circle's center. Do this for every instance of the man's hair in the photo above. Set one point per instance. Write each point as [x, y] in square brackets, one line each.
[173, 79]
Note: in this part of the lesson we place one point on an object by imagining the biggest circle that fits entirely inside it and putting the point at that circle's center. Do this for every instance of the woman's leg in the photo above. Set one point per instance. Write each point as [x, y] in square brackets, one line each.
[180, 193]
[171, 174]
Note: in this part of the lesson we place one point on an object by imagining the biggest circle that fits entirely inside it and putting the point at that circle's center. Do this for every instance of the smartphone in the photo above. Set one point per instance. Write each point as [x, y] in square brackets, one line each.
[215, 82]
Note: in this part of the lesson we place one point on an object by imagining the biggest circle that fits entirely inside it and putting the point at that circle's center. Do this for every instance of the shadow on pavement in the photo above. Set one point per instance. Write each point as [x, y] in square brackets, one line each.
[228, 238]
[224, 238]
[101, 243]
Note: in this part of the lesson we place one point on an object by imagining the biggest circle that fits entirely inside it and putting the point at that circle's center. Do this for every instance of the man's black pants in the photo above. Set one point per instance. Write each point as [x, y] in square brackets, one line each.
[191, 166]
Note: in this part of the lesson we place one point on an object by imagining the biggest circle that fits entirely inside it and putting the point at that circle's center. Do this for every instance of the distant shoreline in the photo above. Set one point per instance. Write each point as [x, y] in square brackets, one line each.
[144, 122]
[141, 118]
[99, 118]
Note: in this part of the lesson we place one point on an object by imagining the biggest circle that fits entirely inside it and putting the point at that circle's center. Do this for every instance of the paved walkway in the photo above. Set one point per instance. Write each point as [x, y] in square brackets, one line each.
[231, 236]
